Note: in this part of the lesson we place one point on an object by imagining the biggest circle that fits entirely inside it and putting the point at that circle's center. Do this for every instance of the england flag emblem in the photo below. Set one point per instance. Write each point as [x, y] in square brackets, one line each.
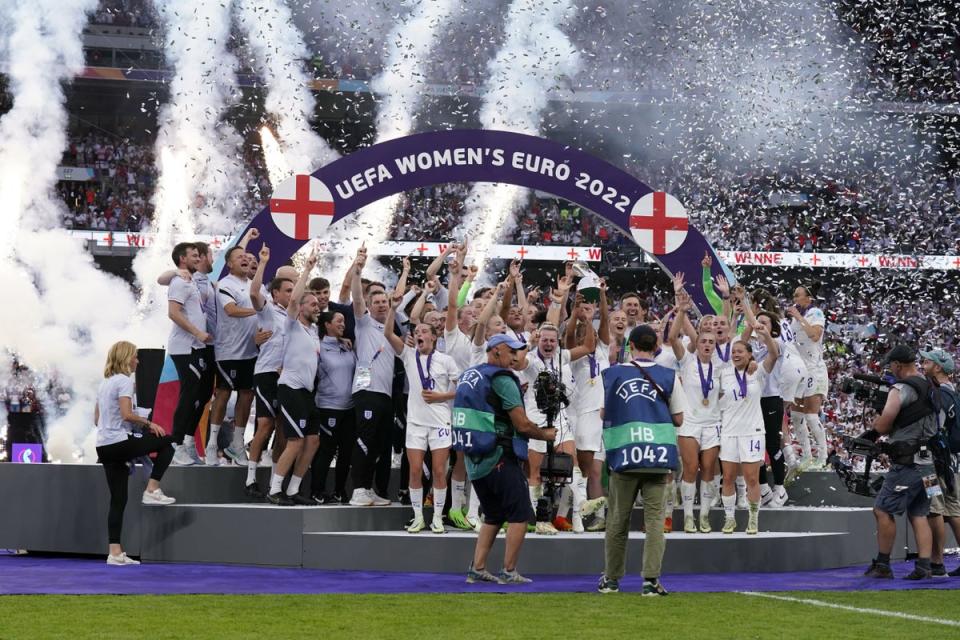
[658, 223]
[302, 207]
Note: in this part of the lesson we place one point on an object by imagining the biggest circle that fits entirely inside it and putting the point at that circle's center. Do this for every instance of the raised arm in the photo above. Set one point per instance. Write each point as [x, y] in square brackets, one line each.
[480, 330]
[396, 299]
[452, 293]
[404, 273]
[603, 330]
[472, 271]
[707, 284]
[437, 263]
[165, 278]
[256, 296]
[570, 329]
[684, 304]
[359, 304]
[252, 234]
[773, 349]
[429, 288]
[589, 342]
[507, 298]
[558, 297]
[293, 309]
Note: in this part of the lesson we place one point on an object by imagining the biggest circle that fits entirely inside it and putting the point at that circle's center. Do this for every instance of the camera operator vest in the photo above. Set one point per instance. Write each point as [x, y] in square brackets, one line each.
[638, 429]
[479, 422]
[918, 410]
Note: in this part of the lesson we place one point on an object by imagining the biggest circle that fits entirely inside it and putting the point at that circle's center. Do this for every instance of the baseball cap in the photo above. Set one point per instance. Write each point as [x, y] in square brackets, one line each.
[900, 353]
[502, 338]
[940, 357]
[640, 331]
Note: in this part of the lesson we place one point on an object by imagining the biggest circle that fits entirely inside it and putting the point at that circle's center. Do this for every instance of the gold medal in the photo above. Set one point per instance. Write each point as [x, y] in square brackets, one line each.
[593, 382]
[706, 402]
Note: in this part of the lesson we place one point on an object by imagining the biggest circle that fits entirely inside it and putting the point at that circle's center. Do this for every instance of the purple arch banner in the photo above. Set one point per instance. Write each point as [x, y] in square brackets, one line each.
[303, 207]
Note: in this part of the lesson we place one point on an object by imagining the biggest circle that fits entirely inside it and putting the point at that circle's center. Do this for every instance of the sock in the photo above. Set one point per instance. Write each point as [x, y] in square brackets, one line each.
[237, 442]
[566, 501]
[535, 493]
[716, 490]
[687, 491]
[789, 455]
[189, 445]
[439, 500]
[779, 490]
[458, 497]
[276, 483]
[416, 501]
[729, 504]
[251, 472]
[754, 507]
[819, 435]
[741, 485]
[579, 491]
[294, 487]
[706, 496]
[214, 432]
[473, 511]
[803, 434]
[883, 558]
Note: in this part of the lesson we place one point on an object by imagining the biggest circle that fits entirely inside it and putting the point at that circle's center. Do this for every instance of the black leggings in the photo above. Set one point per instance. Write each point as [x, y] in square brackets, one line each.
[334, 441]
[191, 372]
[115, 459]
[374, 412]
[772, 408]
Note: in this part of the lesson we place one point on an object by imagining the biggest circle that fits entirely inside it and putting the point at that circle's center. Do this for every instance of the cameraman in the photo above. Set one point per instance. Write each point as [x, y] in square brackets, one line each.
[490, 426]
[909, 420]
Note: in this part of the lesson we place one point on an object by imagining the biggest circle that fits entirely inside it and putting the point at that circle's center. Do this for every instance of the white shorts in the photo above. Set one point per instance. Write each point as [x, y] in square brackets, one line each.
[817, 383]
[563, 435]
[793, 382]
[741, 449]
[706, 435]
[589, 431]
[419, 437]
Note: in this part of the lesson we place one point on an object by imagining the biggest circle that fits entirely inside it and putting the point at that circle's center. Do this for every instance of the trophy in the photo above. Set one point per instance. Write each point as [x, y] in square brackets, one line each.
[589, 284]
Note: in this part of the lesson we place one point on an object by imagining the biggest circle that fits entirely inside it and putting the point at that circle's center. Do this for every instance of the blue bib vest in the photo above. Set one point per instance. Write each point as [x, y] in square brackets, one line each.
[638, 430]
[476, 408]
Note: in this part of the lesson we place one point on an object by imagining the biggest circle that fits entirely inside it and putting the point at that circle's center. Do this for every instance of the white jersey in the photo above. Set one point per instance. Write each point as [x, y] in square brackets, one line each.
[587, 376]
[741, 414]
[186, 294]
[559, 363]
[694, 378]
[722, 353]
[665, 357]
[441, 371]
[457, 346]
[301, 352]
[810, 350]
[771, 384]
[235, 336]
[272, 317]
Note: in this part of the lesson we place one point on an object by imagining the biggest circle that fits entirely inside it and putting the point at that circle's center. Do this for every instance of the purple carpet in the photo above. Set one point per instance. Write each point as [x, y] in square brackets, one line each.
[78, 576]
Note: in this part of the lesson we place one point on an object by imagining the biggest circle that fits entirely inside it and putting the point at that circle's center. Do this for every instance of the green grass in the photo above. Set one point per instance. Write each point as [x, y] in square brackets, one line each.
[561, 616]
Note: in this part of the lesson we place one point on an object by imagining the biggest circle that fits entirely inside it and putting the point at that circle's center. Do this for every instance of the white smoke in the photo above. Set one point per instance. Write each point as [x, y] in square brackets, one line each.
[279, 53]
[536, 57]
[62, 313]
[198, 153]
[400, 87]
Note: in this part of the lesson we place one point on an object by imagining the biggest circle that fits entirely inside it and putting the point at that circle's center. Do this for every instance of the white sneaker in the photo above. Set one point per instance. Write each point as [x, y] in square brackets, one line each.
[121, 560]
[437, 526]
[266, 459]
[157, 497]
[417, 525]
[780, 498]
[182, 457]
[546, 529]
[767, 497]
[378, 500]
[473, 523]
[239, 456]
[211, 456]
[362, 498]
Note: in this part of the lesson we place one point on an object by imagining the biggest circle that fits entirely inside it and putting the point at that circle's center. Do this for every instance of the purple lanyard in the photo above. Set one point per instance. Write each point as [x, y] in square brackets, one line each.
[545, 364]
[741, 382]
[706, 384]
[725, 356]
[623, 351]
[425, 380]
[376, 355]
[594, 365]
[519, 337]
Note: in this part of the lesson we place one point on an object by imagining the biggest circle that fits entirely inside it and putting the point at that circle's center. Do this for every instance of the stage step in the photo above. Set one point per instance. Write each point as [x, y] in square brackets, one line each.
[569, 553]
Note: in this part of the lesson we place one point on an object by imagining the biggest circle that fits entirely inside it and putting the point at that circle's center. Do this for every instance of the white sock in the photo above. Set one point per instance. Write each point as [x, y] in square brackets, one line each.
[779, 490]
[800, 430]
[790, 455]
[237, 440]
[439, 500]
[729, 504]
[473, 511]
[566, 501]
[189, 444]
[276, 483]
[579, 491]
[251, 472]
[819, 435]
[687, 491]
[535, 493]
[458, 497]
[706, 495]
[416, 501]
[741, 486]
[293, 488]
[214, 432]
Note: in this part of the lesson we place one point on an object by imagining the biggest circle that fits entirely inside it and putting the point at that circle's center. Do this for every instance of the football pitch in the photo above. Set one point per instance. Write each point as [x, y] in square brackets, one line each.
[799, 614]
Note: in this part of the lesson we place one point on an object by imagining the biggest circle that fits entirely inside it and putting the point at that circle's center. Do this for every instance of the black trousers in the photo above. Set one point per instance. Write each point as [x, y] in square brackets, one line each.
[772, 408]
[374, 413]
[190, 373]
[336, 439]
[116, 458]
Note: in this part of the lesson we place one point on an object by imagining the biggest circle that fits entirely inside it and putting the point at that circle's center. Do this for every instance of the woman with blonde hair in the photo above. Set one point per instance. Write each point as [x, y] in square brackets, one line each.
[117, 443]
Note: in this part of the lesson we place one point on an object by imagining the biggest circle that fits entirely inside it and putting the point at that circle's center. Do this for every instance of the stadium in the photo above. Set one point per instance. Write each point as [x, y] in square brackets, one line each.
[495, 318]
